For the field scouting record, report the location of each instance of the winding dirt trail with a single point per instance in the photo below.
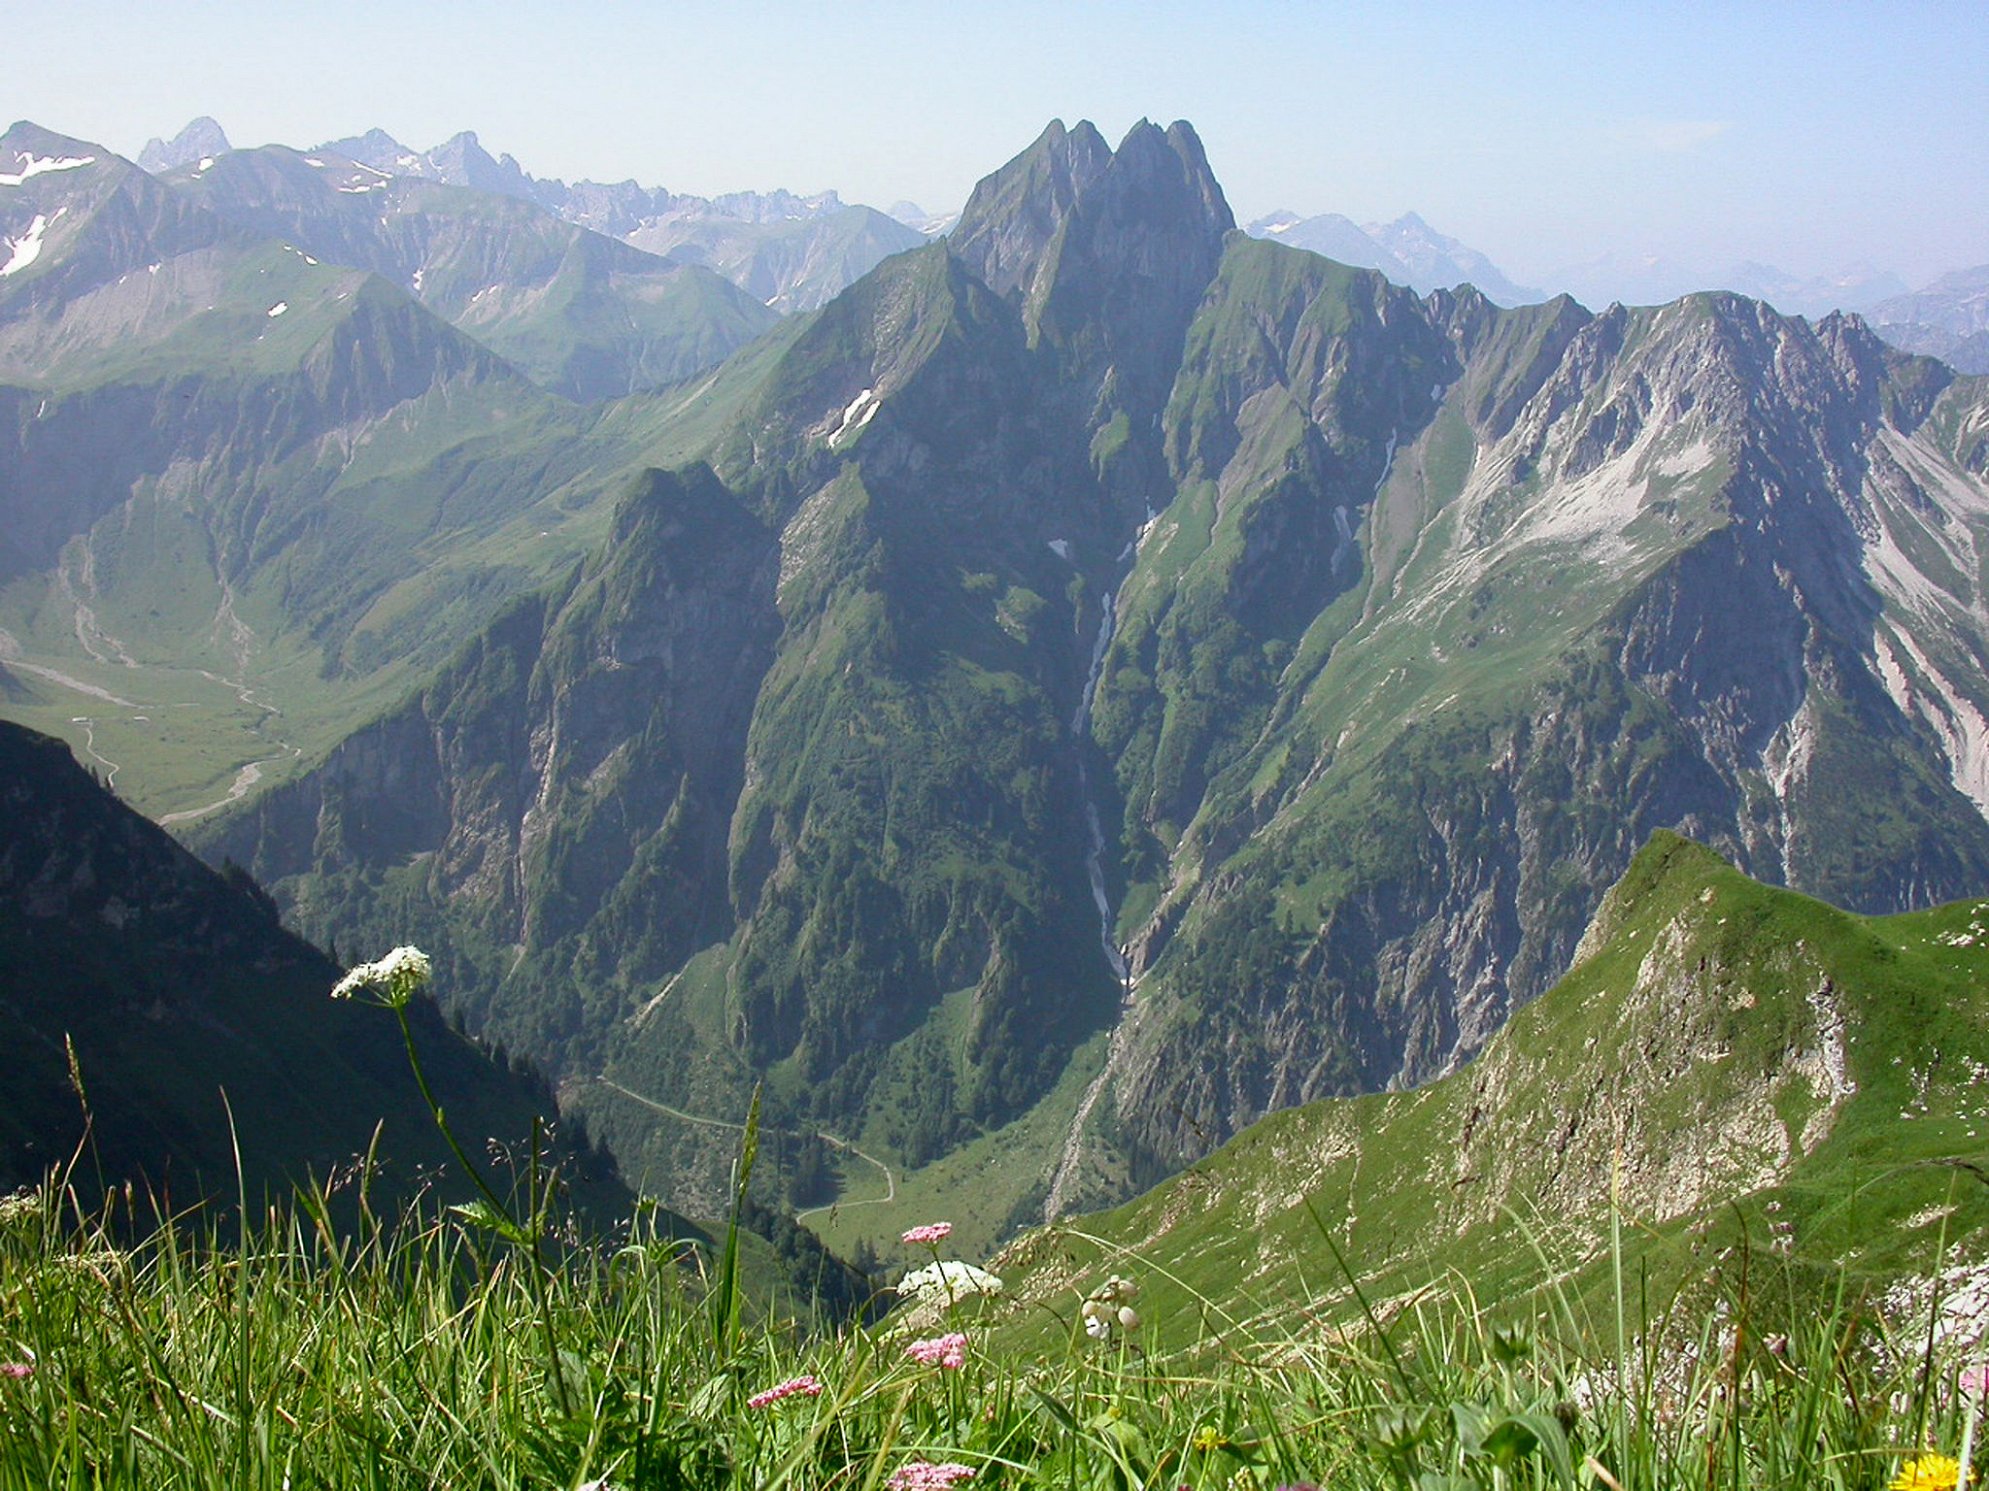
(90, 744)
(246, 778)
(890, 1181)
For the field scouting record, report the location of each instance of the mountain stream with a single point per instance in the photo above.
(1064, 1179)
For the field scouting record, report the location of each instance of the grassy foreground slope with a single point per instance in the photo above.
(1725, 1055)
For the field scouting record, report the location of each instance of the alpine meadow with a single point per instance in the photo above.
(656, 840)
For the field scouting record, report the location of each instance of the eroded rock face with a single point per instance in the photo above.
(1703, 513)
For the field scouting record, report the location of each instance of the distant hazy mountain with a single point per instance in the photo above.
(1629, 279)
(582, 314)
(1949, 319)
(1850, 289)
(789, 252)
(931, 224)
(1408, 251)
(1412, 253)
(201, 138)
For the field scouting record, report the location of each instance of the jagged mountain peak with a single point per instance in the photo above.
(201, 138)
(1180, 142)
(375, 148)
(1014, 214)
(461, 160)
(1106, 252)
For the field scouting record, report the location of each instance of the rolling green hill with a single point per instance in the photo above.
(1740, 1067)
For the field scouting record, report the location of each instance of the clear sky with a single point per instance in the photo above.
(1808, 135)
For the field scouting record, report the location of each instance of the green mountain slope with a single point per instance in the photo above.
(247, 498)
(926, 501)
(1725, 1057)
(1599, 575)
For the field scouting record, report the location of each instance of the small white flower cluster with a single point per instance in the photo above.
(947, 1281)
(1111, 1304)
(396, 978)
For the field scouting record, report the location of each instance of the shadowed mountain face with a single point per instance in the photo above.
(187, 1011)
(1102, 589)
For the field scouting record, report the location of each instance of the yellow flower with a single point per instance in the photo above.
(1208, 1440)
(1928, 1473)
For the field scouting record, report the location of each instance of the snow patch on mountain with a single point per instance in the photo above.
(25, 249)
(41, 165)
(862, 409)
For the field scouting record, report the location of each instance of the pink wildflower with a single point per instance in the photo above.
(806, 1385)
(920, 1476)
(1975, 1381)
(17, 1369)
(929, 1233)
(948, 1351)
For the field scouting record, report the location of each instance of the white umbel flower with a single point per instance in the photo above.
(394, 979)
(944, 1282)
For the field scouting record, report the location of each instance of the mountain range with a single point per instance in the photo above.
(1937, 320)
(794, 252)
(1097, 680)
(1408, 251)
(788, 252)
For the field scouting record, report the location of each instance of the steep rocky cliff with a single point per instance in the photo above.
(1699, 567)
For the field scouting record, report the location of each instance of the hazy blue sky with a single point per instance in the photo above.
(1808, 135)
